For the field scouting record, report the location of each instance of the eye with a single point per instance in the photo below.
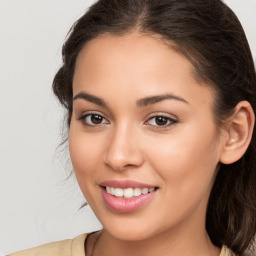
(161, 120)
(93, 120)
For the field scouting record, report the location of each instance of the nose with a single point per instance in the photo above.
(123, 150)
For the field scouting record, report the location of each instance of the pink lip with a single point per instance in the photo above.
(125, 205)
(125, 184)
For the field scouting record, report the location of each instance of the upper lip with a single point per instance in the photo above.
(125, 184)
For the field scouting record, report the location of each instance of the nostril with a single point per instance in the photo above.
(124, 154)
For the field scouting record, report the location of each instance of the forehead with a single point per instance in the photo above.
(141, 62)
(135, 53)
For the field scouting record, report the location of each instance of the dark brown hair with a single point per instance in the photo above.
(209, 34)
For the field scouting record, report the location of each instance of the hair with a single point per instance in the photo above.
(209, 34)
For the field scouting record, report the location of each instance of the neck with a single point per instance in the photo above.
(165, 244)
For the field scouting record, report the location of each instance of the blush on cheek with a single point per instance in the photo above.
(84, 153)
(77, 153)
(186, 160)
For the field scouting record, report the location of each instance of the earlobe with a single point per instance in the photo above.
(239, 133)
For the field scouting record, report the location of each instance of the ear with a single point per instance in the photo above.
(239, 133)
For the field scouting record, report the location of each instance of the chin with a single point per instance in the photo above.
(128, 231)
(129, 235)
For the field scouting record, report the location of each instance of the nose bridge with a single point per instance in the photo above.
(123, 150)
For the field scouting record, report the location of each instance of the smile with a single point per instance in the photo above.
(128, 192)
(126, 196)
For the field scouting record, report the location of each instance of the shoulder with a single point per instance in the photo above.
(225, 251)
(67, 247)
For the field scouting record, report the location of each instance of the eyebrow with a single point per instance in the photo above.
(90, 98)
(157, 98)
(140, 103)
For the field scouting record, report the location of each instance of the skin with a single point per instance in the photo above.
(180, 158)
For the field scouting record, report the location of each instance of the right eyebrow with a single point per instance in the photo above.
(90, 98)
(157, 98)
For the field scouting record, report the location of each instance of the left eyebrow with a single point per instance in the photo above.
(90, 98)
(157, 98)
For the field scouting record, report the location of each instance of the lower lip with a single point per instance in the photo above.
(126, 204)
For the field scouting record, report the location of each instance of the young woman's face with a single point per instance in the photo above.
(142, 122)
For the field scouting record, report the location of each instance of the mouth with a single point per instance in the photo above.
(128, 192)
(127, 196)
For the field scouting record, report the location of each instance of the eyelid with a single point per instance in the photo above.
(173, 119)
(88, 113)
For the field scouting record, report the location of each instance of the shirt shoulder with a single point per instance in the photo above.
(225, 251)
(69, 247)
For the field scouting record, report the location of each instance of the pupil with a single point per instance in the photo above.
(96, 119)
(160, 120)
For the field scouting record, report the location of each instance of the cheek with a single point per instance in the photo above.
(186, 165)
(84, 152)
(186, 160)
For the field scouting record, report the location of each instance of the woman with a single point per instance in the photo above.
(160, 99)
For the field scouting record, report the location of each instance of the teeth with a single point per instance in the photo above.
(128, 192)
(108, 189)
(151, 190)
(137, 191)
(144, 191)
(119, 192)
(112, 191)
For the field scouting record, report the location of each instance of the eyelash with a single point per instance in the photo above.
(170, 121)
(84, 117)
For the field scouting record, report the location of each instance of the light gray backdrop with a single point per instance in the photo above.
(36, 205)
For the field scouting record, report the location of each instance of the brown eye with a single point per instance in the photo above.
(96, 119)
(93, 120)
(161, 121)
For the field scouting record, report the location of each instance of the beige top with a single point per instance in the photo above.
(74, 247)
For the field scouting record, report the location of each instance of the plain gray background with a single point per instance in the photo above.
(36, 204)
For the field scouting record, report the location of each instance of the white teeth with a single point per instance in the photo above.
(128, 192)
(144, 191)
(151, 190)
(112, 191)
(119, 192)
(137, 191)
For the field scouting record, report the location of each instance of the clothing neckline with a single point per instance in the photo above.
(225, 251)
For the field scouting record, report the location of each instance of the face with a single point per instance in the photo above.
(143, 142)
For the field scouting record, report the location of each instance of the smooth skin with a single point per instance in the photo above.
(171, 142)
